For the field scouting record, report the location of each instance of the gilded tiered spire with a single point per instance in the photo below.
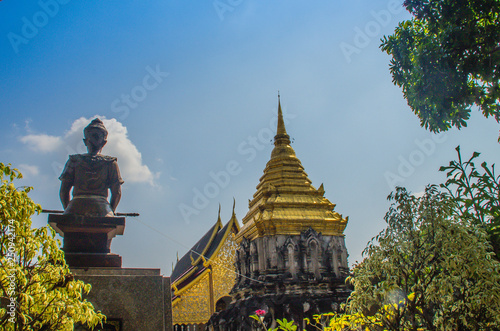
(285, 201)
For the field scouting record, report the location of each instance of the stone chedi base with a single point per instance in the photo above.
(87, 240)
(288, 276)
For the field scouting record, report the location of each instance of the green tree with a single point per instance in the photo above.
(477, 193)
(428, 270)
(37, 290)
(447, 59)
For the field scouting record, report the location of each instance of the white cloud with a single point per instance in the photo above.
(29, 170)
(42, 143)
(129, 157)
(119, 145)
(419, 194)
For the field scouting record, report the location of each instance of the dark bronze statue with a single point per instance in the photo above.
(91, 175)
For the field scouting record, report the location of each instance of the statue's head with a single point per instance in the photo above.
(95, 135)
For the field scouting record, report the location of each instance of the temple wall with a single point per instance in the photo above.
(199, 299)
(194, 305)
(224, 269)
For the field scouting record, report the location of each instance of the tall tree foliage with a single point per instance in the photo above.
(428, 270)
(447, 59)
(477, 193)
(37, 290)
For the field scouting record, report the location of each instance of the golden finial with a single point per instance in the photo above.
(281, 123)
(321, 190)
(233, 216)
(219, 221)
(281, 138)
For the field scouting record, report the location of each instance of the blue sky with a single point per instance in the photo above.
(189, 92)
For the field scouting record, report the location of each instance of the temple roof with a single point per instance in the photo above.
(285, 201)
(198, 258)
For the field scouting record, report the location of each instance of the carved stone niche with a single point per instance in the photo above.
(290, 251)
(337, 257)
(243, 261)
(254, 260)
(306, 258)
(312, 242)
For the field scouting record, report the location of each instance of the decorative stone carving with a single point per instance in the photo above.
(307, 257)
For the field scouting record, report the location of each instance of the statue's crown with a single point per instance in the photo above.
(96, 124)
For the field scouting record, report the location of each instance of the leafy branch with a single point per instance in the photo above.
(477, 192)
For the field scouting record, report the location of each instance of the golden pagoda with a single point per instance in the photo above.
(204, 276)
(285, 202)
(291, 259)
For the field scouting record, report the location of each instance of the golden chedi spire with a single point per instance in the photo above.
(285, 201)
(281, 131)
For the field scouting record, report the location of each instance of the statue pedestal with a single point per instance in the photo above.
(87, 240)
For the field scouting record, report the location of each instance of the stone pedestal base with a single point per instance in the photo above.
(93, 260)
(132, 299)
(87, 240)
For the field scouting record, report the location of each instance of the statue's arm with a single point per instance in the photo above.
(116, 194)
(115, 187)
(64, 193)
(67, 179)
